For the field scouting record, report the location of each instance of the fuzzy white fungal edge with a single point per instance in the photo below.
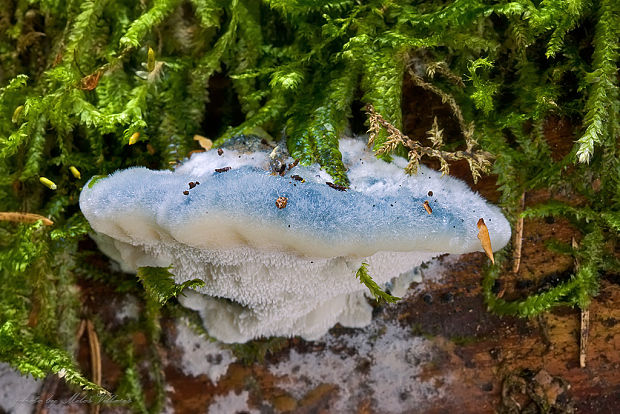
(288, 271)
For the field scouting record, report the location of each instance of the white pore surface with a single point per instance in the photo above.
(287, 271)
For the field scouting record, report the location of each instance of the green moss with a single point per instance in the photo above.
(376, 291)
(94, 180)
(464, 340)
(418, 330)
(255, 351)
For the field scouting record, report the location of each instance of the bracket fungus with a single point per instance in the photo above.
(284, 271)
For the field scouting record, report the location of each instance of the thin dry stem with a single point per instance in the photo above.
(585, 331)
(24, 217)
(466, 129)
(478, 160)
(518, 241)
(95, 359)
(47, 393)
(443, 69)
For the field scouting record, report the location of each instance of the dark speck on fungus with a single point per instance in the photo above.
(430, 193)
(220, 151)
(221, 170)
(186, 192)
(336, 186)
(293, 164)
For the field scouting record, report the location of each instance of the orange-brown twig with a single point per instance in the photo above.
(24, 217)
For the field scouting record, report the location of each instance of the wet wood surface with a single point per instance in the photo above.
(506, 365)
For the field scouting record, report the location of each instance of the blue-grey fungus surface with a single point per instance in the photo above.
(284, 271)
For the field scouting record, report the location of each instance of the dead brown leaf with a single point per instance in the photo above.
(485, 240)
(204, 142)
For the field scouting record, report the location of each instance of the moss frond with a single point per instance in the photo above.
(375, 290)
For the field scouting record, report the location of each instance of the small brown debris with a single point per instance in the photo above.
(281, 202)
(204, 142)
(297, 178)
(430, 193)
(186, 192)
(427, 207)
(90, 82)
(282, 169)
(485, 240)
(220, 151)
(221, 170)
(197, 183)
(192, 185)
(189, 154)
(57, 59)
(284, 403)
(336, 186)
(293, 164)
